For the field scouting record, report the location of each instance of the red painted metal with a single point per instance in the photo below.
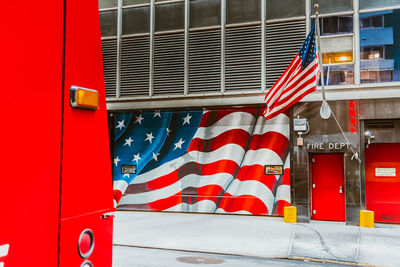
(383, 192)
(86, 169)
(327, 177)
(47, 160)
(31, 86)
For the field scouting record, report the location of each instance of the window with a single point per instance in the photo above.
(238, 11)
(332, 6)
(108, 21)
(170, 16)
(379, 46)
(336, 25)
(135, 2)
(136, 20)
(367, 4)
(204, 13)
(108, 3)
(279, 9)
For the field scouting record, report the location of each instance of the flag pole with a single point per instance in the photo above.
(325, 110)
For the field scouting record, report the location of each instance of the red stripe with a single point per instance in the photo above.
(274, 141)
(166, 203)
(244, 202)
(256, 173)
(279, 207)
(235, 136)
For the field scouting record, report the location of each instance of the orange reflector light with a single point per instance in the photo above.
(84, 98)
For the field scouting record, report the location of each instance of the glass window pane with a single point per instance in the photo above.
(336, 25)
(108, 3)
(204, 13)
(238, 11)
(277, 9)
(339, 74)
(332, 6)
(136, 20)
(380, 46)
(366, 4)
(170, 16)
(337, 49)
(108, 22)
(134, 2)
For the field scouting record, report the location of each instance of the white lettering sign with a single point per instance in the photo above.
(385, 172)
(331, 146)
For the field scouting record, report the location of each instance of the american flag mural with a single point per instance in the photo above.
(202, 160)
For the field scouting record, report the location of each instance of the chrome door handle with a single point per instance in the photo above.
(341, 189)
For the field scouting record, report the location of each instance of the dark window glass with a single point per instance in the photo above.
(134, 2)
(366, 4)
(238, 11)
(380, 46)
(108, 22)
(339, 75)
(333, 6)
(279, 9)
(136, 20)
(170, 16)
(336, 25)
(108, 3)
(205, 13)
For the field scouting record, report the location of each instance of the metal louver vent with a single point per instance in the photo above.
(205, 61)
(283, 41)
(109, 48)
(135, 58)
(169, 64)
(243, 58)
(382, 124)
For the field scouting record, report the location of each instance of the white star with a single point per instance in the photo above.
(139, 119)
(126, 175)
(179, 144)
(128, 141)
(116, 160)
(120, 124)
(168, 131)
(186, 119)
(155, 156)
(157, 113)
(149, 137)
(136, 158)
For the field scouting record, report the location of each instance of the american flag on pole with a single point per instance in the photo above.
(204, 160)
(299, 79)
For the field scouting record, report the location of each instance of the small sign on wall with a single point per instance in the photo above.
(273, 169)
(128, 169)
(385, 172)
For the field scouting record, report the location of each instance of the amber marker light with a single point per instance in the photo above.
(84, 98)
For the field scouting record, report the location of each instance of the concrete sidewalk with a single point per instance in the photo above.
(259, 237)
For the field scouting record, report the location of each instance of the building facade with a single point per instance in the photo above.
(202, 67)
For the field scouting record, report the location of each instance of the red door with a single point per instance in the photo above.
(327, 186)
(382, 167)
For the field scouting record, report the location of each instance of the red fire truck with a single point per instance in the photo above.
(55, 185)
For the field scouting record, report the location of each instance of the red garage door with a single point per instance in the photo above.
(382, 167)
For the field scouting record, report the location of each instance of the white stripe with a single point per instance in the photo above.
(236, 120)
(283, 193)
(221, 210)
(193, 180)
(252, 188)
(120, 185)
(4, 250)
(263, 156)
(230, 151)
(207, 206)
(279, 123)
(287, 162)
(1, 264)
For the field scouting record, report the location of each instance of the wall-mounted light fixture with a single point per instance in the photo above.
(368, 135)
(301, 127)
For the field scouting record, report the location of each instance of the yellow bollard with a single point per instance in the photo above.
(290, 214)
(367, 218)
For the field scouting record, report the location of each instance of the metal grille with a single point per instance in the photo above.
(135, 58)
(109, 48)
(205, 61)
(169, 64)
(243, 58)
(283, 41)
(382, 124)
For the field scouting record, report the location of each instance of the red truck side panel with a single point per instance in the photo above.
(86, 170)
(31, 52)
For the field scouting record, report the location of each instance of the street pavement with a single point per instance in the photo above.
(250, 237)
